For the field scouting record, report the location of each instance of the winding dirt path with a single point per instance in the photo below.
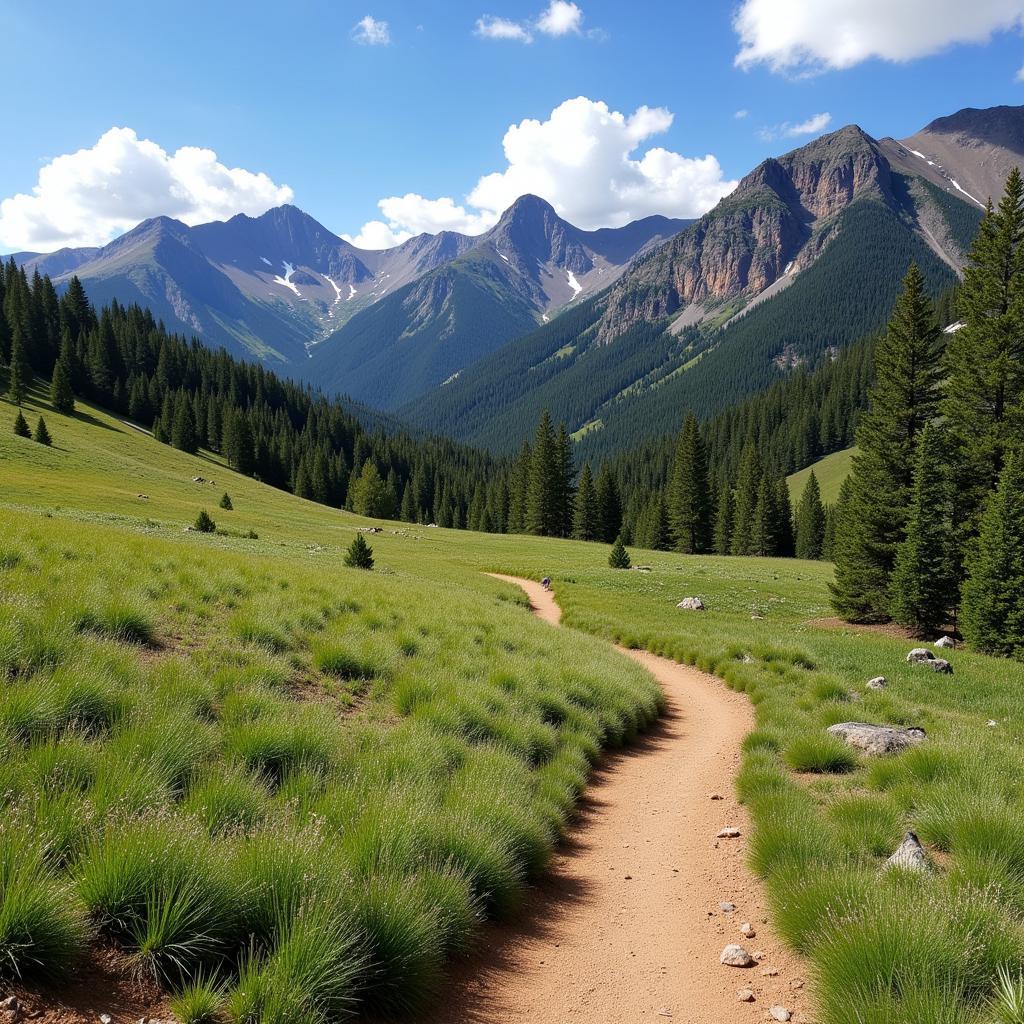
(627, 924)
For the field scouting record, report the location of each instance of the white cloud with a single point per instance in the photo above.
(89, 197)
(805, 36)
(489, 27)
(585, 160)
(741, 114)
(1020, 75)
(560, 18)
(370, 32)
(787, 130)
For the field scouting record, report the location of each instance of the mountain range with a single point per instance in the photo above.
(617, 331)
(276, 287)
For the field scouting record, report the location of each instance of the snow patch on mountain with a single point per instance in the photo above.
(287, 279)
(574, 284)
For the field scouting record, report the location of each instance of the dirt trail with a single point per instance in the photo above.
(627, 925)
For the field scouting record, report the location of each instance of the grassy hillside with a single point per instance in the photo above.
(831, 471)
(414, 742)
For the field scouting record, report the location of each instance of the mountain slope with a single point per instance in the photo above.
(805, 256)
(424, 334)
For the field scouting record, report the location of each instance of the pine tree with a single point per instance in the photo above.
(748, 483)
(519, 489)
(689, 496)
(993, 593)
(810, 521)
(985, 358)
(724, 520)
(226, 503)
(586, 524)
(609, 504)
(183, 428)
(369, 493)
(619, 557)
(239, 446)
(654, 531)
(21, 425)
(903, 400)
(543, 498)
(564, 471)
(42, 435)
(62, 397)
(922, 580)
(785, 545)
(764, 539)
(20, 373)
(204, 524)
(359, 554)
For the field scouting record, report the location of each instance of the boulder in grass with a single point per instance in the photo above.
(941, 665)
(876, 739)
(691, 604)
(878, 683)
(945, 641)
(736, 956)
(919, 656)
(909, 855)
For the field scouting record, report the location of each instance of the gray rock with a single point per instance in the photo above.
(878, 683)
(909, 855)
(727, 908)
(919, 655)
(691, 604)
(736, 956)
(876, 739)
(945, 641)
(745, 995)
(747, 930)
(941, 665)
(729, 832)
(780, 1013)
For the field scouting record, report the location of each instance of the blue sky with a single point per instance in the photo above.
(289, 91)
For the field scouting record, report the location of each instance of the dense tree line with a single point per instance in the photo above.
(193, 397)
(930, 521)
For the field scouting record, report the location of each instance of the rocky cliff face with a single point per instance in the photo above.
(775, 222)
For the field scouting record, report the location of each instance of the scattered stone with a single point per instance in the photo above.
(919, 655)
(664, 1011)
(941, 665)
(729, 832)
(780, 1013)
(691, 604)
(727, 908)
(747, 930)
(797, 983)
(909, 855)
(105, 1018)
(876, 739)
(945, 641)
(10, 1008)
(991, 723)
(736, 956)
(770, 972)
(142, 497)
(878, 683)
(745, 995)
(759, 954)
(716, 796)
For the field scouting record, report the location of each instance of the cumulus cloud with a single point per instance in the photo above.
(807, 36)
(489, 27)
(741, 114)
(559, 18)
(586, 160)
(370, 32)
(89, 197)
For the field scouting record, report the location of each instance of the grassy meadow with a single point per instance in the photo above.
(831, 471)
(303, 784)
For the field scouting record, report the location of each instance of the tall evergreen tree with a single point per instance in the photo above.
(985, 358)
(993, 593)
(21, 425)
(62, 397)
(20, 373)
(904, 398)
(922, 580)
(724, 520)
(689, 496)
(748, 484)
(610, 504)
(586, 524)
(810, 521)
(564, 472)
(619, 556)
(785, 544)
(519, 489)
(765, 534)
(543, 510)
(42, 435)
(183, 429)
